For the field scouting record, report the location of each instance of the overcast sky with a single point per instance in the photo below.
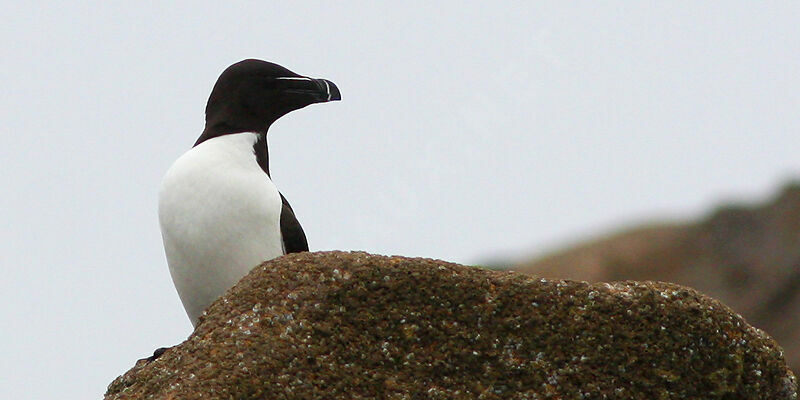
(466, 132)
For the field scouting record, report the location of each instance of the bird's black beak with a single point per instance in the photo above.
(320, 90)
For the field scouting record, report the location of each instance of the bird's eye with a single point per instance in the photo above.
(269, 84)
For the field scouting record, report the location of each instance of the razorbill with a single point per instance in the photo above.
(220, 213)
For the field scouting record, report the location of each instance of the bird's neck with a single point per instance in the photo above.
(219, 128)
(259, 147)
(262, 152)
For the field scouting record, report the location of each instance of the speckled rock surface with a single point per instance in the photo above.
(339, 325)
(745, 255)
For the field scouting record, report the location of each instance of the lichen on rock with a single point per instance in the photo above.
(337, 325)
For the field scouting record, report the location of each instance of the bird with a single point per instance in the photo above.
(219, 212)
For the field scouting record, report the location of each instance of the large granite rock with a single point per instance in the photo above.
(747, 257)
(358, 326)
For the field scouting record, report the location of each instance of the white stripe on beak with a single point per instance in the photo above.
(293, 78)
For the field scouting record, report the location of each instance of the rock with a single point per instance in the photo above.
(340, 325)
(747, 257)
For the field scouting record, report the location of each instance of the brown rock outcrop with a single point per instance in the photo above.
(358, 326)
(747, 257)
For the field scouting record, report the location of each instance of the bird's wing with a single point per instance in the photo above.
(294, 239)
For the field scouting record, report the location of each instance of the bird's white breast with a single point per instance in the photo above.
(220, 217)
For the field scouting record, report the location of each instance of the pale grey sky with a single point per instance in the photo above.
(465, 132)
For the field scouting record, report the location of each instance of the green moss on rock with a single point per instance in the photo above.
(340, 325)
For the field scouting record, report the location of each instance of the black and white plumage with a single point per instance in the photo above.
(219, 212)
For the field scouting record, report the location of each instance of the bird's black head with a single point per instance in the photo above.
(252, 94)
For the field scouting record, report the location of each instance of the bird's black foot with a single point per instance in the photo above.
(157, 353)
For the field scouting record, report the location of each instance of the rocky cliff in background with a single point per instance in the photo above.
(746, 256)
(358, 326)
